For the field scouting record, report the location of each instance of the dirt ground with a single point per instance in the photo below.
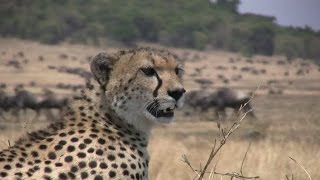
(286, 103)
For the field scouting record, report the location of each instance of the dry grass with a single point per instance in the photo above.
(287, 125)
(289, 128)
(266, 158)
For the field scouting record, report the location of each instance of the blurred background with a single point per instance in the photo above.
(268, 47)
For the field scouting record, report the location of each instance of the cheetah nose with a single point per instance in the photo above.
(176, 94)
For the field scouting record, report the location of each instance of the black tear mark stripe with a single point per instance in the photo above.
(155, 92)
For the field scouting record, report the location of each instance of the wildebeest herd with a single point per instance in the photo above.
(23, 99)
(221, 99)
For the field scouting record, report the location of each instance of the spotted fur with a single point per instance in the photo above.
(104, 133)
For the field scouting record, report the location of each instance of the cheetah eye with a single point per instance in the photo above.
(178, 71)
(149, 71)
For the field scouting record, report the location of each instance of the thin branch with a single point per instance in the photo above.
(232, 175)
(215, 166)
(186, 160)
(211, 174)
(3, 142)
(287, 177)
(2, 115)
(245, 155)
(226, 134)
(211, 156)
(301, 167)
(236, 175)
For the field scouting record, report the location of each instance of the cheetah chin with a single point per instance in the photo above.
(162, 111)
(160, 116)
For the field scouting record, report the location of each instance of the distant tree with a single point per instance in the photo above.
(183, 23)
(229, 4)
(261, 41)
(147, 28)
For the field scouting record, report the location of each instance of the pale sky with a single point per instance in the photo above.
(287, 12)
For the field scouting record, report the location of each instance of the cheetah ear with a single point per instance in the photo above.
(101, 66)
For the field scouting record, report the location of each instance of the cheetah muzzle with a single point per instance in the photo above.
(161, 110)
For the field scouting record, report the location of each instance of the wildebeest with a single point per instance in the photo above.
(24, 100)
(198, 100)
(6, 102)
(221, 99)
(51, 101)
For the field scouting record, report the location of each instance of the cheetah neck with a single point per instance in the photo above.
(93, 100)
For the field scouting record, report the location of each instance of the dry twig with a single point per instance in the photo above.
(237, 175)
(186, 160)
(225, 132)
(245, 155)
(301, 167)
(225, 135)
(3, 142)
(287, 177)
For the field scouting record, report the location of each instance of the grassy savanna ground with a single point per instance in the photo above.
(287, 125)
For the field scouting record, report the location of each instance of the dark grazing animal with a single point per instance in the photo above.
(238, 100)
(221, 99)
(24, 100)
(6, 103)
(50, 102)
(198, 100)
(53, 103)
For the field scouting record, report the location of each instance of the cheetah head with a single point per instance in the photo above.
(143, 86)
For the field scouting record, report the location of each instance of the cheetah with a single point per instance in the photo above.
(104, 133)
